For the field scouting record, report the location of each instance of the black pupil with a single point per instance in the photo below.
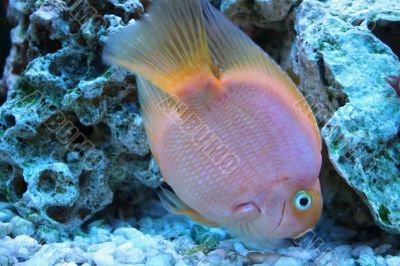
(303, 202)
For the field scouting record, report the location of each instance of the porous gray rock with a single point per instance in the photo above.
(343, 52)
(71, 132)
(260, 13)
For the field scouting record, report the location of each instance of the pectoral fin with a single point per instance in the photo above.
(174, 204)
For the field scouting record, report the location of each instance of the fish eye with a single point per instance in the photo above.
(302, 200)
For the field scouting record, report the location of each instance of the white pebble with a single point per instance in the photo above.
(6, 215)
(118, 240)
(128, 232)
(22, 227)
(287, 261)
(127, 253)
(362, 250)
(343, 252)
(160, 260)
(5, 229)
(239, 248)
(106, 247)
(393, 261)
(347, 262)
(181, 263)
(383, 249)
(102, 259)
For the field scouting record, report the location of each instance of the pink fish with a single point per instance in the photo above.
(231, 133)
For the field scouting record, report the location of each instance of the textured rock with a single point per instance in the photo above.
(71, 132)
(260, 13)
(342, 56)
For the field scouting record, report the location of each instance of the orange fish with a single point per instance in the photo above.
(231, 133)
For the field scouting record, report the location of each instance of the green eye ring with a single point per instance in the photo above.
(302, 201)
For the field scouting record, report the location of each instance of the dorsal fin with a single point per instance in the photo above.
(165, 47)
(234, 53)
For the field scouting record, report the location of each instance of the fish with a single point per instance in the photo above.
(394, 82)
(234, 138)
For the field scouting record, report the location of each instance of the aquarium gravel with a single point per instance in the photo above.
(158, 238)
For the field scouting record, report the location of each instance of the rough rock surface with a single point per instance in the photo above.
(342, 59)
(71, 133)
(260, 13)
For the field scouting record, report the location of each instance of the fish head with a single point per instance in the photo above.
(301, 208)
(285, 210)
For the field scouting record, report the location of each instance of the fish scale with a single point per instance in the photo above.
(192, 162)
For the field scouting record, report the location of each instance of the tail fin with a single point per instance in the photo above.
(166, 46)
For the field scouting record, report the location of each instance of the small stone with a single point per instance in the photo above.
(239, 248)
(222, 233)
(366, 260)
(181, 263)
(217, 256)
(127, 253)
(103, 259)
(261, 257)
(5, 229)
(48, 234)
(343, 252)
(66, 264)
(161, 260)
(6, 215)
(362, 250)
(106, 247)
(347, 262)
(100, 234)
(302, 253)
(118, 240)
(287, 261)
(4, 260)
(326, 257)
(214, 259)
(22, 227)
(119, 223)
(210, 241)
(382, 250)
(219, 252)
(197, 232)
(128, 232)
(393, 261)
(380, 261)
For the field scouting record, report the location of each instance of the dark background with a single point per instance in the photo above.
(4, 38)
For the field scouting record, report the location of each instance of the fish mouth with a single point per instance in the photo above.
(300, 235)
(282, 213)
